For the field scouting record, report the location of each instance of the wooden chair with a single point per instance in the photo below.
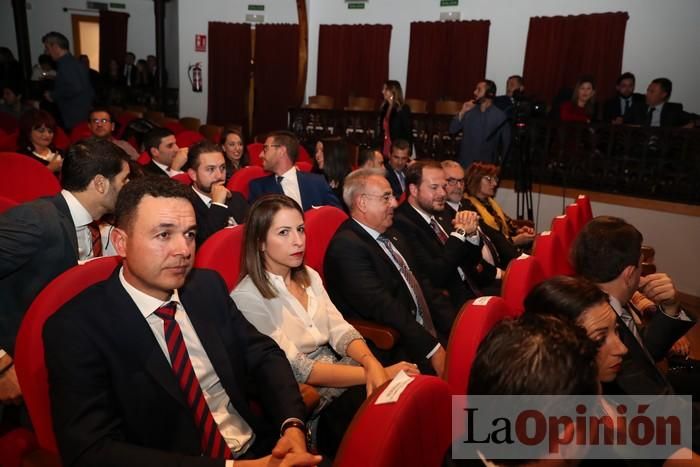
(448, 107)
(321, 102)
(211, 132)
(361, 103)
(191, 123)
(417, 106)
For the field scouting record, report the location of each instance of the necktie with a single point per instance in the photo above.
(95, 238)
(650, 116)
(628, 318)
(213, 444)
(402, 179)
(279, 179)
(628, 103)
(422, 306)
(441, 235)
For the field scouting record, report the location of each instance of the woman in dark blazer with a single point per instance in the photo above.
(394, 117)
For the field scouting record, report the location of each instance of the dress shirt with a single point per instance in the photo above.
(166, 169)
(299, 331)
(617, 306)
(81, 218)
(656, 116)
(623, 104)
(290, 185)
(374, 234)
(401, 177)
(207, 200)
(234, 429)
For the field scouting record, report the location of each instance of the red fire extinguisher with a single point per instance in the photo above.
(194, 72)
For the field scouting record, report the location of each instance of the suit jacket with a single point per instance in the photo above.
(152, 169)
(435, 260)
(399, 124)
(393, 181)
(363, 283)
(313, 188)
(611, 109)
(672, 115)
(212, 219)
(114, 397)
(37, 243)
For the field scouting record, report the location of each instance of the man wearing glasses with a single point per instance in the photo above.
(101, 125)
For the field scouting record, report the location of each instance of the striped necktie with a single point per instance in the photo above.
(95, 238)
(212, 442)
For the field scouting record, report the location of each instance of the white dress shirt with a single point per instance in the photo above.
(656, 116)
(81, 218)
(207, 200)
(290, 185)
(235, 430)
(166, 169)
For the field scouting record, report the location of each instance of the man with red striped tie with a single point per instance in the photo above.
(154, 365)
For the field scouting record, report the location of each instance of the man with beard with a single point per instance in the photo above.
(620, 107)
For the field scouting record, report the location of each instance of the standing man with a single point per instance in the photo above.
(279, 154)
(515, 87)
(485, 129)
(129, 72)
(72, 91)
(398, 160)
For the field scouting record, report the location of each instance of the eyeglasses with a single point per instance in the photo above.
(100, 120)
(455, 181)
(386, 197)
(491, 179)
(266, 147)
(44, 129)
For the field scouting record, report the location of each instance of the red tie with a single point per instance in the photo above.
(213, 444)
(95, 238)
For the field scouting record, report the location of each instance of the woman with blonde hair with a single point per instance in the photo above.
(582, 106)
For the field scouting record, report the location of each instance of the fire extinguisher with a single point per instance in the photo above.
(194, 72)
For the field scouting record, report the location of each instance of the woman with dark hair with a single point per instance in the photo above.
(286, 300)
(394, 117)
(480, 183)
(582, 106)
(36, 132)
(233, 145)
(332, 159)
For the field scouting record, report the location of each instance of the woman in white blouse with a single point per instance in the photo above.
(286, 300)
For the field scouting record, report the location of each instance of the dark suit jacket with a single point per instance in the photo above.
(611, 109)
(393, 181)
(212, 219)
(363, 283)
(437, 261)
(313, 188)
(399, 124)
(37, 243)
(672, 115)
(152, 169)
(114, 398)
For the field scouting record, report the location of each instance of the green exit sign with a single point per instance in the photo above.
(449, 2)
(256, 7)
(356, 6)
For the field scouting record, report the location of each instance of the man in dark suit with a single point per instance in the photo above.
(129, 71)
(400, 155)
(167, 158)
(214, 205)
(42, 238)
(621, 107)
(151, 366)
(279, 155)
(371, 274)
(449, 254)
(515, 87)
(658, 111)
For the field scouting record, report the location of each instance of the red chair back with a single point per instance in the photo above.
(80, 131)
(240, 180)
(144, 158)
(563, 229)
(8, 140)
(222, 252)
(5, 204)
(183, 178)
(415, 430)
(521, 276)
(29, 349)
(304, 166)
(254, 151)
(320, 224)
(585, 204)
(175, 127)
(16, 170)
(474, 321)
(574, 216)
(187, 138)
(8, 122)
(61, 139)
(303, 155)
(14, 445)
(548, 251)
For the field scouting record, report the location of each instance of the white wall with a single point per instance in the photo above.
(673, 236)
(7, 27)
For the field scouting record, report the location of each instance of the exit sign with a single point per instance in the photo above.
(356, 6)
(449, 2)
(256, 7)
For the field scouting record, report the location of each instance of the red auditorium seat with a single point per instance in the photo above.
(29, 350)
(574, 215)
(320, 224)
(61, 139)
(521, 276)
(413, 431)
(222, 252)
(304, 166)
(8, 140)
(15, 445)
(254, 151)
(144, 158)
(16, 170)
(80, 131)
(175, 127)
(303, 155)
(585, 204)
(549, 251)
(5, 204)
(183, 178)
(240, 180)
(187, 138)
(563, 229)
(8, 122)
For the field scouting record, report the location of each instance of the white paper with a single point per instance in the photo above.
(394, 390)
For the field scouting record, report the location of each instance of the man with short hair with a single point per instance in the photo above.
(515, 87)
(152, 366)
(398, 160)
(622, 106)
(72, 91)
(129, 71)
(658, 111)
(370, 159)
(279, 155)
(101, 124)
(370, 274)
(42, 238)
(486, 132)
(167, 158)
(214, 205)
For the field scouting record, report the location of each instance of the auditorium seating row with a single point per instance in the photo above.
(442, 107)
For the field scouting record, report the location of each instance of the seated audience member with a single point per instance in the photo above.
(370, 274)
(286, 300)
(41, 239)
(233, 145)
(370, 158)
(447, 252)
(481, 182)
(335, 157)
(658, 111)
(12, 100)
(166, 158)
(136, 130)
(279, 155)
(101, 124)
(214, 205)
(35, 139)
(619, 108)
(394, 117)
(162, 361)
(582, 106)
(497, 249)
(319, 159)
(44, 69)
(398, 161)
(515, 87)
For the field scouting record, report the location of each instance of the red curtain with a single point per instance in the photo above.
(353, 60)
(562, 48)
(276, 62)
(113, 30)
(431, 75)
(229, 73)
